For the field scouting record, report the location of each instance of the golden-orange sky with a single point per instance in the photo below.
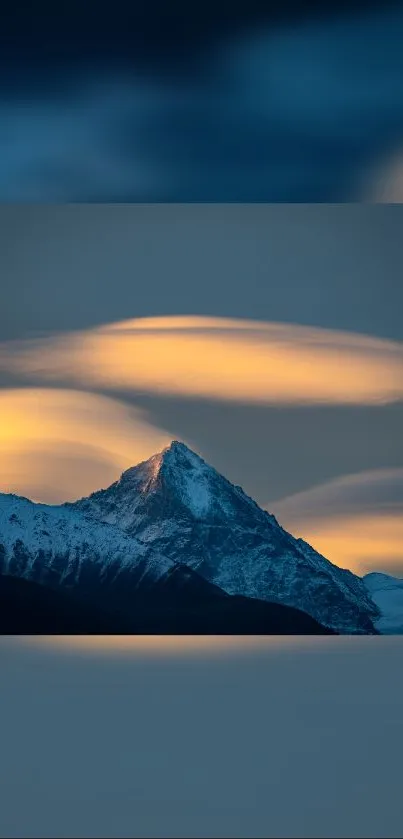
(219, 358)
(58, 444)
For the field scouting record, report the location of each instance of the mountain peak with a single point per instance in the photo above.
(176, 447)
(182, 509)
(176, 472)
(176, 456)
(180, 454)
(186, 473)
(177, 475)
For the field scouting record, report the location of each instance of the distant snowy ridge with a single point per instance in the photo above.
(45, 543)
(387, 593)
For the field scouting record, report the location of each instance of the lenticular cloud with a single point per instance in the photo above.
(218, 358)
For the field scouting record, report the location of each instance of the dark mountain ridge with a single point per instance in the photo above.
(30, 608)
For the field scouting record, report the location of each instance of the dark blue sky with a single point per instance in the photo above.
(229, 102)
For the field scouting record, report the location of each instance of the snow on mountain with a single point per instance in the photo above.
(185, 510)
(175, 481)
(387, 593)
(62, 571)
(46, 543)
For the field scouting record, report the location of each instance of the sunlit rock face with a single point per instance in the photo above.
(186, 511)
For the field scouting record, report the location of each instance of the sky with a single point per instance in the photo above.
(264, 101)
(268, 338)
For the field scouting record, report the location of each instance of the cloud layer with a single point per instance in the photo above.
(218, 358)
(355, 521)
(56, 445)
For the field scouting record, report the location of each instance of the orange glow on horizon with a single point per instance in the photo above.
(166, 646)
(360, 543)
(355, 521)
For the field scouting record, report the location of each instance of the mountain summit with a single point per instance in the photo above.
(183, 509)
(179, 480)
(178, 470)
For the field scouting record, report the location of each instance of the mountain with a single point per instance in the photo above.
(183, 602)
(62, 572)
(29, 608)
(51, 543)
(182, 509)
(387, 593)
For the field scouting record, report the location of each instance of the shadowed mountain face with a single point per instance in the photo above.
(182, 602)
(174, 545)
(28, 608)
(177, 605)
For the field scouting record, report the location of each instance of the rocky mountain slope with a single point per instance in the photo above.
(182, 509)
(63, 572)
(31, 608)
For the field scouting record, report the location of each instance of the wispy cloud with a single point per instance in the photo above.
(355, 521)
(56, 445)
(218, 358)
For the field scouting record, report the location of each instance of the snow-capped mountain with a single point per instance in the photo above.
(53, 544)
(387, 593)
(62, 571)
(183, 509)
